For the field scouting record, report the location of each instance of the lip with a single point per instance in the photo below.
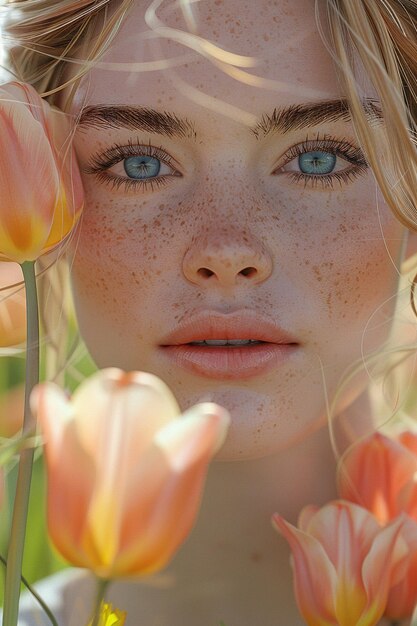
(229, 363)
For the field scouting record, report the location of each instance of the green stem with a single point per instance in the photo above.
(37, 597)
(21, 502)
(102, 585)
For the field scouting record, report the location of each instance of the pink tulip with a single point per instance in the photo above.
(344, 563)
(125, 469)
(41, 195)
(378, 473)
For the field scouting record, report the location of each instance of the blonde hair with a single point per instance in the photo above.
(44, 37)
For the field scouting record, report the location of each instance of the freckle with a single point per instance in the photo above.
(317, 273)
(256, 557)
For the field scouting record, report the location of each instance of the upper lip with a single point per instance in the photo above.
(237, 325)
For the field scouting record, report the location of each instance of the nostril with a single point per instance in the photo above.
(204, 272)
(248, 271)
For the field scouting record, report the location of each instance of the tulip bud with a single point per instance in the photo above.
(125, 470)
(41, 195)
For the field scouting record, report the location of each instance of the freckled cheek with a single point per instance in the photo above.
(118, 258)
(335, 255)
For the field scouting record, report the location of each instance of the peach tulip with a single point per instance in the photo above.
(378, 473)
(125, 469)
(12, 306)
(344, 563)
(41, 195)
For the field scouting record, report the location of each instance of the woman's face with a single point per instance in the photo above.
(220, 208)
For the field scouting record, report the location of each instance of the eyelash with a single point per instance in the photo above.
(341, 148)
(102, 161)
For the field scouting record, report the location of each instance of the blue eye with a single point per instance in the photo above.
(323, 162)
(134, 166)
(142, 167)
(317, 162)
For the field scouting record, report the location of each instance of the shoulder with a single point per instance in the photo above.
(67, 594)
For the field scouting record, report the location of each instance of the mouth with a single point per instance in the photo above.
(226, 342)
(229, 347)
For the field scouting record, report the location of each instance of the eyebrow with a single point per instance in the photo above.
(298, 116)
(284, 119)
(137, 118)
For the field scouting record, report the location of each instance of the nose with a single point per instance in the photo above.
(226, 259)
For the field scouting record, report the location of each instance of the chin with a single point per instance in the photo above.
(260, 426)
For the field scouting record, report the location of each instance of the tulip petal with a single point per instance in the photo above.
(70, 472)
(199, 431)
(346, 531)
(314, 594)
(339, 526)
(115, 406)
(29, 184)
(386, 552)
(374, 474)
(305, 516)
(128, 409)
(53, 410)
(170, 480)
(402, 596)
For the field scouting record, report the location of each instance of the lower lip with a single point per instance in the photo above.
(230, 363)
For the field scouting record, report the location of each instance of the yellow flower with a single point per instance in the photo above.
(110, 616)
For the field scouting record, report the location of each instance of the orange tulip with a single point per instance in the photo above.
(344, 563)
(125, 469)
(41, 193)
(378, 473)
(12, 306)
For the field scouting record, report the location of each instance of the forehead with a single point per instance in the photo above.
(248, 56)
